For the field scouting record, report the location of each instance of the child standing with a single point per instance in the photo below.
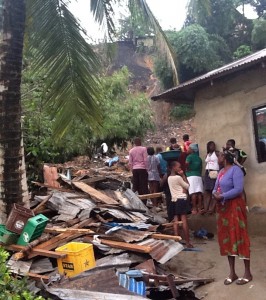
(187, 142)
(194, 169)
(178, 185)
(154, 172)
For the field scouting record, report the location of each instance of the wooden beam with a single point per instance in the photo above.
(38, 277)
(68, 230)
(34, 251)
(94, 193)
(60, 239)
(122, 245)
(150, 196)
(160, 236)
(55, 242)
(52, 187)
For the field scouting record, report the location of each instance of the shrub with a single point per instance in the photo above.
(182, 112)
(12, 288)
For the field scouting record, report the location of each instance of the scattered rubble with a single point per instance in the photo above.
(128, 240)
(161, 136)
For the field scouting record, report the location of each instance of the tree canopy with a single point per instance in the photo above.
(214, 33)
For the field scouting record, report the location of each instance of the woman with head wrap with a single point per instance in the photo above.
(194, 169)
(231, 217)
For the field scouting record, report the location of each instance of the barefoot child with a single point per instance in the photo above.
(178, 185)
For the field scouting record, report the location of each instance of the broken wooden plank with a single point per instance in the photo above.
(38, 207)
(55, 242)
(34, 252)
(38, 277)
(68, 230)
(150, 196)
(60, 239)
(94, 193)
(160, 236)
(122, 245)
(51, 187)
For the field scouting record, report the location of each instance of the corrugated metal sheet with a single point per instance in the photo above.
(116, 213)
(138, 225)
(128, 236)
(132, 285)
(220, 72)
(102, 281)
(67, 294)
(162, 250)
(116, 260)
(131, 200)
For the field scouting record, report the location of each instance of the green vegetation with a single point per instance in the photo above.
(259, 34)
(214, 33)
(12, 288)
(197, 51)
(242, 51)
(125, 115)
(182, 112)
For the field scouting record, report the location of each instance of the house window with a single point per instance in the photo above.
(259, 118)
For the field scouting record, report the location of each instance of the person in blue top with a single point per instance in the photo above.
(163, 163)
(232, 217)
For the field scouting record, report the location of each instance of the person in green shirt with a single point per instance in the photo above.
(193, 173)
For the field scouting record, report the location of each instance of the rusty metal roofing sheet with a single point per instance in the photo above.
(220, 72)
(128, 236)
(162, 250)
(104, 281)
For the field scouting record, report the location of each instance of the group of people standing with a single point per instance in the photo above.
(183, 185)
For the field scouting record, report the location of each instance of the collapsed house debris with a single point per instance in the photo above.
(125, 237)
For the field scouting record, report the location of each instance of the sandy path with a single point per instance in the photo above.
(210, 264)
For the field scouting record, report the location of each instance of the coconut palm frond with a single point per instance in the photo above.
(140, 9)
(103, 13)
(69, 62)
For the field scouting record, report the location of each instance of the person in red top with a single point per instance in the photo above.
(187, 142)
(138, 164)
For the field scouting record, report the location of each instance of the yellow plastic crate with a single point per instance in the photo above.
(80, 257)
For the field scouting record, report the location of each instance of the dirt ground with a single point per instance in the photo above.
(209, 263)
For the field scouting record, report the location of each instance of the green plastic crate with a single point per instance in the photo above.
(7, 237)
(33, 229)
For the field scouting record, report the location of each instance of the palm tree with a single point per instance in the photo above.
(11, 151)
(49, 31)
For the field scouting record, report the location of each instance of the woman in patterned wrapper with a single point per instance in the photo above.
(231, 217)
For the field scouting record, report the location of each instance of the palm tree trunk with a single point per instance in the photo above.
(12, 22)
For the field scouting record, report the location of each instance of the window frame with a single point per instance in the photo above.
(256, 132)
